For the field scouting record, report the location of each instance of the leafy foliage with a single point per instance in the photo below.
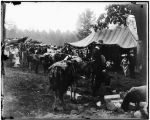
(116, 14)
(84, 23)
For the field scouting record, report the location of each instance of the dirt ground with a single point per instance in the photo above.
(25, 96)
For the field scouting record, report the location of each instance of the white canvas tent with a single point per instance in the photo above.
(121, 36)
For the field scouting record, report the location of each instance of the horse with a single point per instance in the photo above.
(61, 75)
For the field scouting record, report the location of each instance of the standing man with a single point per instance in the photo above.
(98, 66)
(125, 65)
(132, 64)
(3, 58)
(22, 50)
(90, 51)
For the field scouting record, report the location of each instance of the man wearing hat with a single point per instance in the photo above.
(125, 64)
(98, 66)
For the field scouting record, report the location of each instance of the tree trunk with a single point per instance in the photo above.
(140, 13)
(3, 8)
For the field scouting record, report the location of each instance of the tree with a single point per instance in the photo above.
(84, 23)
(116, 14)
(101, 17)
(11, 32)
(140, 12)
(52, 37)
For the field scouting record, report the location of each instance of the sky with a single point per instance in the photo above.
(50, 15)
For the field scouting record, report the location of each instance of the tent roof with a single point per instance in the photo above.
(120, 36)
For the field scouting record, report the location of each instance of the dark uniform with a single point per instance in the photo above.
(132, 65)
(98, 66)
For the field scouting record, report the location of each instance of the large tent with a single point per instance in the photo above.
(121, 36)
(117, 41)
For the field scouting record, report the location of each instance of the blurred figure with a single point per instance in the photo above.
(22, 49)
(125, 64)
(3, 58)
(132, 64)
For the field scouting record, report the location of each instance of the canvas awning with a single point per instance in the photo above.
(120, 36)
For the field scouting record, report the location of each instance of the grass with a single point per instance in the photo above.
(28, 89)
(25, 95)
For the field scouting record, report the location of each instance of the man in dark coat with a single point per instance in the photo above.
(132, 64)
(98, 65)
